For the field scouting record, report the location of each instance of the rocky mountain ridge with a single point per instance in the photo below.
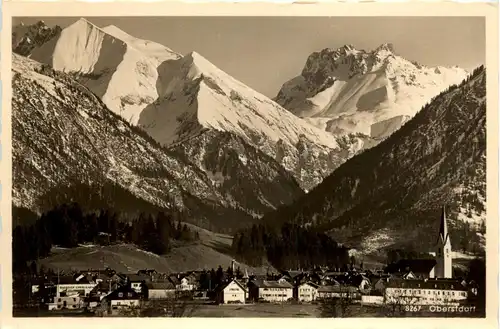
(67, 145)
(25, 38)
(175, 98)
(348, 90)
(118, 68)
(392, 194)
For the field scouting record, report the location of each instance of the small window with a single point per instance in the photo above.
(120, 294)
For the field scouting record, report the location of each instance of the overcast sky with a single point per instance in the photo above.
(265, 52)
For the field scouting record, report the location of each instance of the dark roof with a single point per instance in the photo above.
(68, 279)
(334, 274)
(272, 284)
(357, 279)
(427, 284)
(311, 284)
(375, 280)
(417, 266)
(103, 287)
(337, 288)
(293, 274)
(167, 285)
(223, 286)
(127, 293)
(138, 277)
(174, 279)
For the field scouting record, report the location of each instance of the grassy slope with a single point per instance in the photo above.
(212, 250)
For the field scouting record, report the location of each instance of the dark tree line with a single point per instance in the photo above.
(288, 246)
(68, 226)
(395, 255)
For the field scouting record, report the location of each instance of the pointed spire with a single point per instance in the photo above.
(443, 228)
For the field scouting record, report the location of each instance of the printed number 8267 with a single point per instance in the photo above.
(413, 308)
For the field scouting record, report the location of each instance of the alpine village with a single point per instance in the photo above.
(152, 184)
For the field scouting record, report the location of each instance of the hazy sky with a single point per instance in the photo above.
(265, 52)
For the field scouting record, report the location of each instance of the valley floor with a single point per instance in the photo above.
(265, 310)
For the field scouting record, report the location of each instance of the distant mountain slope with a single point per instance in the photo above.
(120, 69)
(195, 96)
(25, 38)
(392, 193)
(348, 90)
(67, 145)
(175, 98)
(210, 251)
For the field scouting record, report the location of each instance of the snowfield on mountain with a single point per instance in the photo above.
(66, 142)
(196, 96)
(348, 90)
(120, 69)
(392, 194)
(176, 98)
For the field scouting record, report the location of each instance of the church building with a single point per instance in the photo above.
(443, 268)
(439, 266)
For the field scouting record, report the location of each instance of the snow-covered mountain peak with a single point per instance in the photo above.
(347, 90)
(385, 47)
(119, 68)
(83, 21)
(145, 46)
(116, 32)
(218, 101)
(196, 97)
(199, 65)
(93, 150)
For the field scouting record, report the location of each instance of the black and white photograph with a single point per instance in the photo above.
(250, 166)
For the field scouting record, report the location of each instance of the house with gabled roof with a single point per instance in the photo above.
(427, 291)
(307, 292)
(121, 299)
(338, 291)
(233, 292)
(159, 290)
(271, 291)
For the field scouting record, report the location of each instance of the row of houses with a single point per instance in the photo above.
(408, 291)
(116, 290)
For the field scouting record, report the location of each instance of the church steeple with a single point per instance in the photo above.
(443, 268)
(443, 228)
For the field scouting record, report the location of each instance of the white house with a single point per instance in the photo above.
(137, 280)
(272, 291)
(68, 285)
(338, 291)
(185, 285)
(121, 299)
(160, 290)
(67, 302)
(424, 292)
(232, 293)
(307, 292)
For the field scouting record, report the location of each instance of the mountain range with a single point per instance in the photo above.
(347, 90)
(175, 98)
(68, 146)
(131, 122)
(393, 193)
